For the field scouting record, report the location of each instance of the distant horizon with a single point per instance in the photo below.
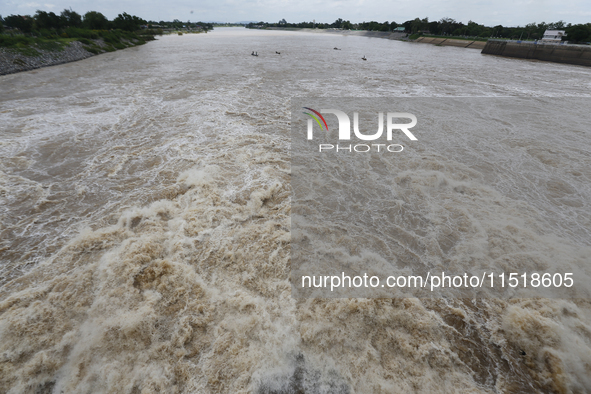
(246, 22)
(502, 12)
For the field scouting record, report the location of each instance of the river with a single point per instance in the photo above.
(145, 227)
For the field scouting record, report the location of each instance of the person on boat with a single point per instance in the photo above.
(279, 53)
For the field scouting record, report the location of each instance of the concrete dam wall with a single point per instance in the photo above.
(571, 54)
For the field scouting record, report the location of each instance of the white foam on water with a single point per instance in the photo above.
(146, 226)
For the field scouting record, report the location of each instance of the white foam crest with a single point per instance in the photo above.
(157, 194)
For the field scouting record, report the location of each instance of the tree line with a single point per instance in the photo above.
(449, 27)
(92, 20)
(43, 22)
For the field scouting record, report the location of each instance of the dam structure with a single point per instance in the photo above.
(558, 53)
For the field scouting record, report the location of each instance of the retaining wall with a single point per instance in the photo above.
(570, 54)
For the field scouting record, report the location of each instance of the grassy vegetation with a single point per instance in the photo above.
(31, 36)
(417, 35)
(29, 45)
(457, 37)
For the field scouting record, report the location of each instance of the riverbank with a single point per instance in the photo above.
(453, 42)
(570, 54)
(363, 33)
(14, 60)
(146, 228)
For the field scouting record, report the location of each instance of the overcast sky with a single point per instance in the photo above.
(504, 12)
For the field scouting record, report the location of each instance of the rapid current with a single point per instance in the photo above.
(145, 216)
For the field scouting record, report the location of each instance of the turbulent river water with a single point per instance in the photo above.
(145, 226)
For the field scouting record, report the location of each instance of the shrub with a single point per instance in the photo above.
(50, 45)
(10, 41)
(93, 49)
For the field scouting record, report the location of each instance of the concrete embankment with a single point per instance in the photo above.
(570, 54)
(451, 42)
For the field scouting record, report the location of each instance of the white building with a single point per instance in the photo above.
(553, 36)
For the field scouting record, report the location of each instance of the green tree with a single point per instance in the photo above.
(407, 25)
(71, 18)
(498, 31)
(486, 32)
(579, 33)
(434, 27)
(130, 22)
(338, 23)
(531, 29)
(22, 22)
(425, 24)
(95, 20)
(415, 26)
(557, 25)
(447, 25)
(47, 20)
(474, 29)
(177, 24)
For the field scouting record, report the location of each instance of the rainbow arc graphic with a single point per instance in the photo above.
(316, 117)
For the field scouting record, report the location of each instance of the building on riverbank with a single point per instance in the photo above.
(553, 36)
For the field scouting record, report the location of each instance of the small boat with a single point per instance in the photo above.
(279, 53)
(336, 49)
(363, 58)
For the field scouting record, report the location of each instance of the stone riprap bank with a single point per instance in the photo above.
(12, 61)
